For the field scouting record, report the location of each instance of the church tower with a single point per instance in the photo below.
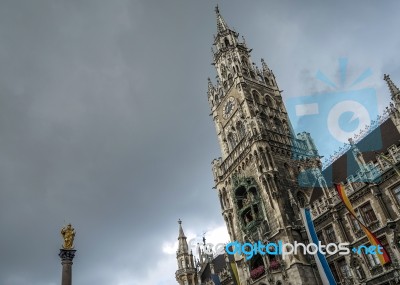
(186, 273)
(257, 177)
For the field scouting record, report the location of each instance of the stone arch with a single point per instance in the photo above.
(269, 100)
(226, 42)
(256, 96)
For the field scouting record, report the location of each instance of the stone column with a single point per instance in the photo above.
(66, 255)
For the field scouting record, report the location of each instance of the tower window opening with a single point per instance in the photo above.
(241, 129)
(232, 140)
(230, 79)
(244, 61)
(256, 96)
(227, 42)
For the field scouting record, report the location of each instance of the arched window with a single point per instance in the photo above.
(231, 140)
(244, 61)
(240, 129)
(301, 199)
(256, 96)
(278, 125)
(269, 100)
(220, 201)
(230, 79)
(226, 42)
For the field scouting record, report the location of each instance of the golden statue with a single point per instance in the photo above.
(68, 234)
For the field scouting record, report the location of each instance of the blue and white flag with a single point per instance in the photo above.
(323, 267)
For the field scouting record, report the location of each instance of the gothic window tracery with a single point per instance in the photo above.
(231, 140)
(256, 96)
(301, 199)
(240, 129)
(278, 125)
(269, 101)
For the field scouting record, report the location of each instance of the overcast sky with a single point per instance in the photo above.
(104, 120)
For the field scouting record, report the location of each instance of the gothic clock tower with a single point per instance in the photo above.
(257, 176)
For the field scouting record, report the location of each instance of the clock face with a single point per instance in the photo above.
(228, 107)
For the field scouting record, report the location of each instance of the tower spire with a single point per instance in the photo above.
(182, 246)
(394, 91)
(186, 267)
(221, 24)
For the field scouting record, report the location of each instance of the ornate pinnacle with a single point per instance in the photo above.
(221, 25)
(210, 86)
(392, 87)
(264, 65)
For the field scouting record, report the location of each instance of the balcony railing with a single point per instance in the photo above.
(185, 270)
(241, 149)
(289, 144)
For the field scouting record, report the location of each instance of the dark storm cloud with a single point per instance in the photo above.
(104, 119)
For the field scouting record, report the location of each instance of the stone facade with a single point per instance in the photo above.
(261, 159)
(263, 163)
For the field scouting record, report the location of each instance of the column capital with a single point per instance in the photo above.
(67, 254)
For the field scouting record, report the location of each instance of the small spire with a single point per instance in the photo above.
(210, 87)
(182, 244)
(394, 91)
(181, 233)
(264, 65)
(244, 41)
(221, 24)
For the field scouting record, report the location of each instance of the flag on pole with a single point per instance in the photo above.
(234, 273)
(384, 257)
(323, 267)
